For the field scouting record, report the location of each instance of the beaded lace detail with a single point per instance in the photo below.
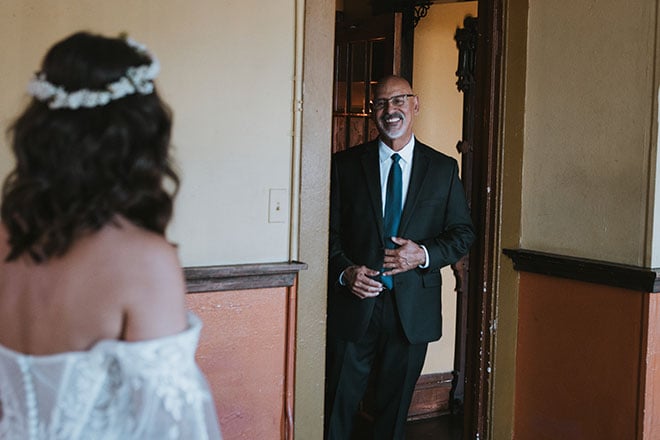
(117, 390)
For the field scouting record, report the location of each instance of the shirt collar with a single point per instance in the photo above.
(406, 153)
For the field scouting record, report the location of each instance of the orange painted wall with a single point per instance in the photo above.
(578, 367)
(651, 413)
(242, 353)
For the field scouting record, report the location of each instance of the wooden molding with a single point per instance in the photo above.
(431, 396)
(485, 202)
(241, 276)
(583, 269)
(290, 365)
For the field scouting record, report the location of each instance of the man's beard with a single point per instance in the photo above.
(392, 133)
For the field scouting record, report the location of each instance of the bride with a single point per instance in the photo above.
(95, 340)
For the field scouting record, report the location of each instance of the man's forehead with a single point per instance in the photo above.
(392, 87)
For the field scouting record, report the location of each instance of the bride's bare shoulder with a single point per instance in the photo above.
(152, 279)
(124, 236)
(129, 249)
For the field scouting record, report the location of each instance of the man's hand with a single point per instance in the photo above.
(357, 279)
(407, 256)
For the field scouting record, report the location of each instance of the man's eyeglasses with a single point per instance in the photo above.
(396, 101)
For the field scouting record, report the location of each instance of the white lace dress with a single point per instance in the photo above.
(117, 390)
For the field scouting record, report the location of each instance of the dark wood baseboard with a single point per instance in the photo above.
(583, 269)
(431, 397)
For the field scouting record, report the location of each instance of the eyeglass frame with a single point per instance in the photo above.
(382, 102)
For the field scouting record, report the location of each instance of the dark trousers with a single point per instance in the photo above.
(350, 363)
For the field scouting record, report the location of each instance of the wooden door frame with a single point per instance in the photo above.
(485, 199)
(482, 270)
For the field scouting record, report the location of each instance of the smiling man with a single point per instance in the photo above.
(398, 214)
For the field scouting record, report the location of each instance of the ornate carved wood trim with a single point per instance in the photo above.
(583, 269)
(466, 40)
(418, 8)
(241, 276)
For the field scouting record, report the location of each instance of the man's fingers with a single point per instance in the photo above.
(363, 286)
(366, 290)
(399, 241)
(367, 284)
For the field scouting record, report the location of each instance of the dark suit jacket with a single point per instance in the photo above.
(435, 214)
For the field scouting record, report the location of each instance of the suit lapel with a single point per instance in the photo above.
(371, 167)
(420, 165)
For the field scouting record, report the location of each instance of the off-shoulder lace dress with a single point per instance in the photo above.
(117, 390)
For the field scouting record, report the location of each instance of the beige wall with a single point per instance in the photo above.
(232, 72)
(578, 148)
(227, 71)
(439, 124)
(588, 131)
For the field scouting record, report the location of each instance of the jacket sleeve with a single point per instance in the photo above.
(338, 261)
(458, 233)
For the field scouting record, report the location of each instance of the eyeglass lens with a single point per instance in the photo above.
(396, 101)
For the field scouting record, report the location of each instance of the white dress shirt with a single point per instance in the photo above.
(384, 155)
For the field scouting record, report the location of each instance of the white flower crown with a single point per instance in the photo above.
(137, 79)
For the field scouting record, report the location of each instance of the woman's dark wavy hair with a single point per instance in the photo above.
(76, 170)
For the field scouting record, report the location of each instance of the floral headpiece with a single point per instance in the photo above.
(137, 79)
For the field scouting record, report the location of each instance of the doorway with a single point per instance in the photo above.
(476, 339)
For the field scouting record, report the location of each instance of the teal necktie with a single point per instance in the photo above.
(393, 198)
